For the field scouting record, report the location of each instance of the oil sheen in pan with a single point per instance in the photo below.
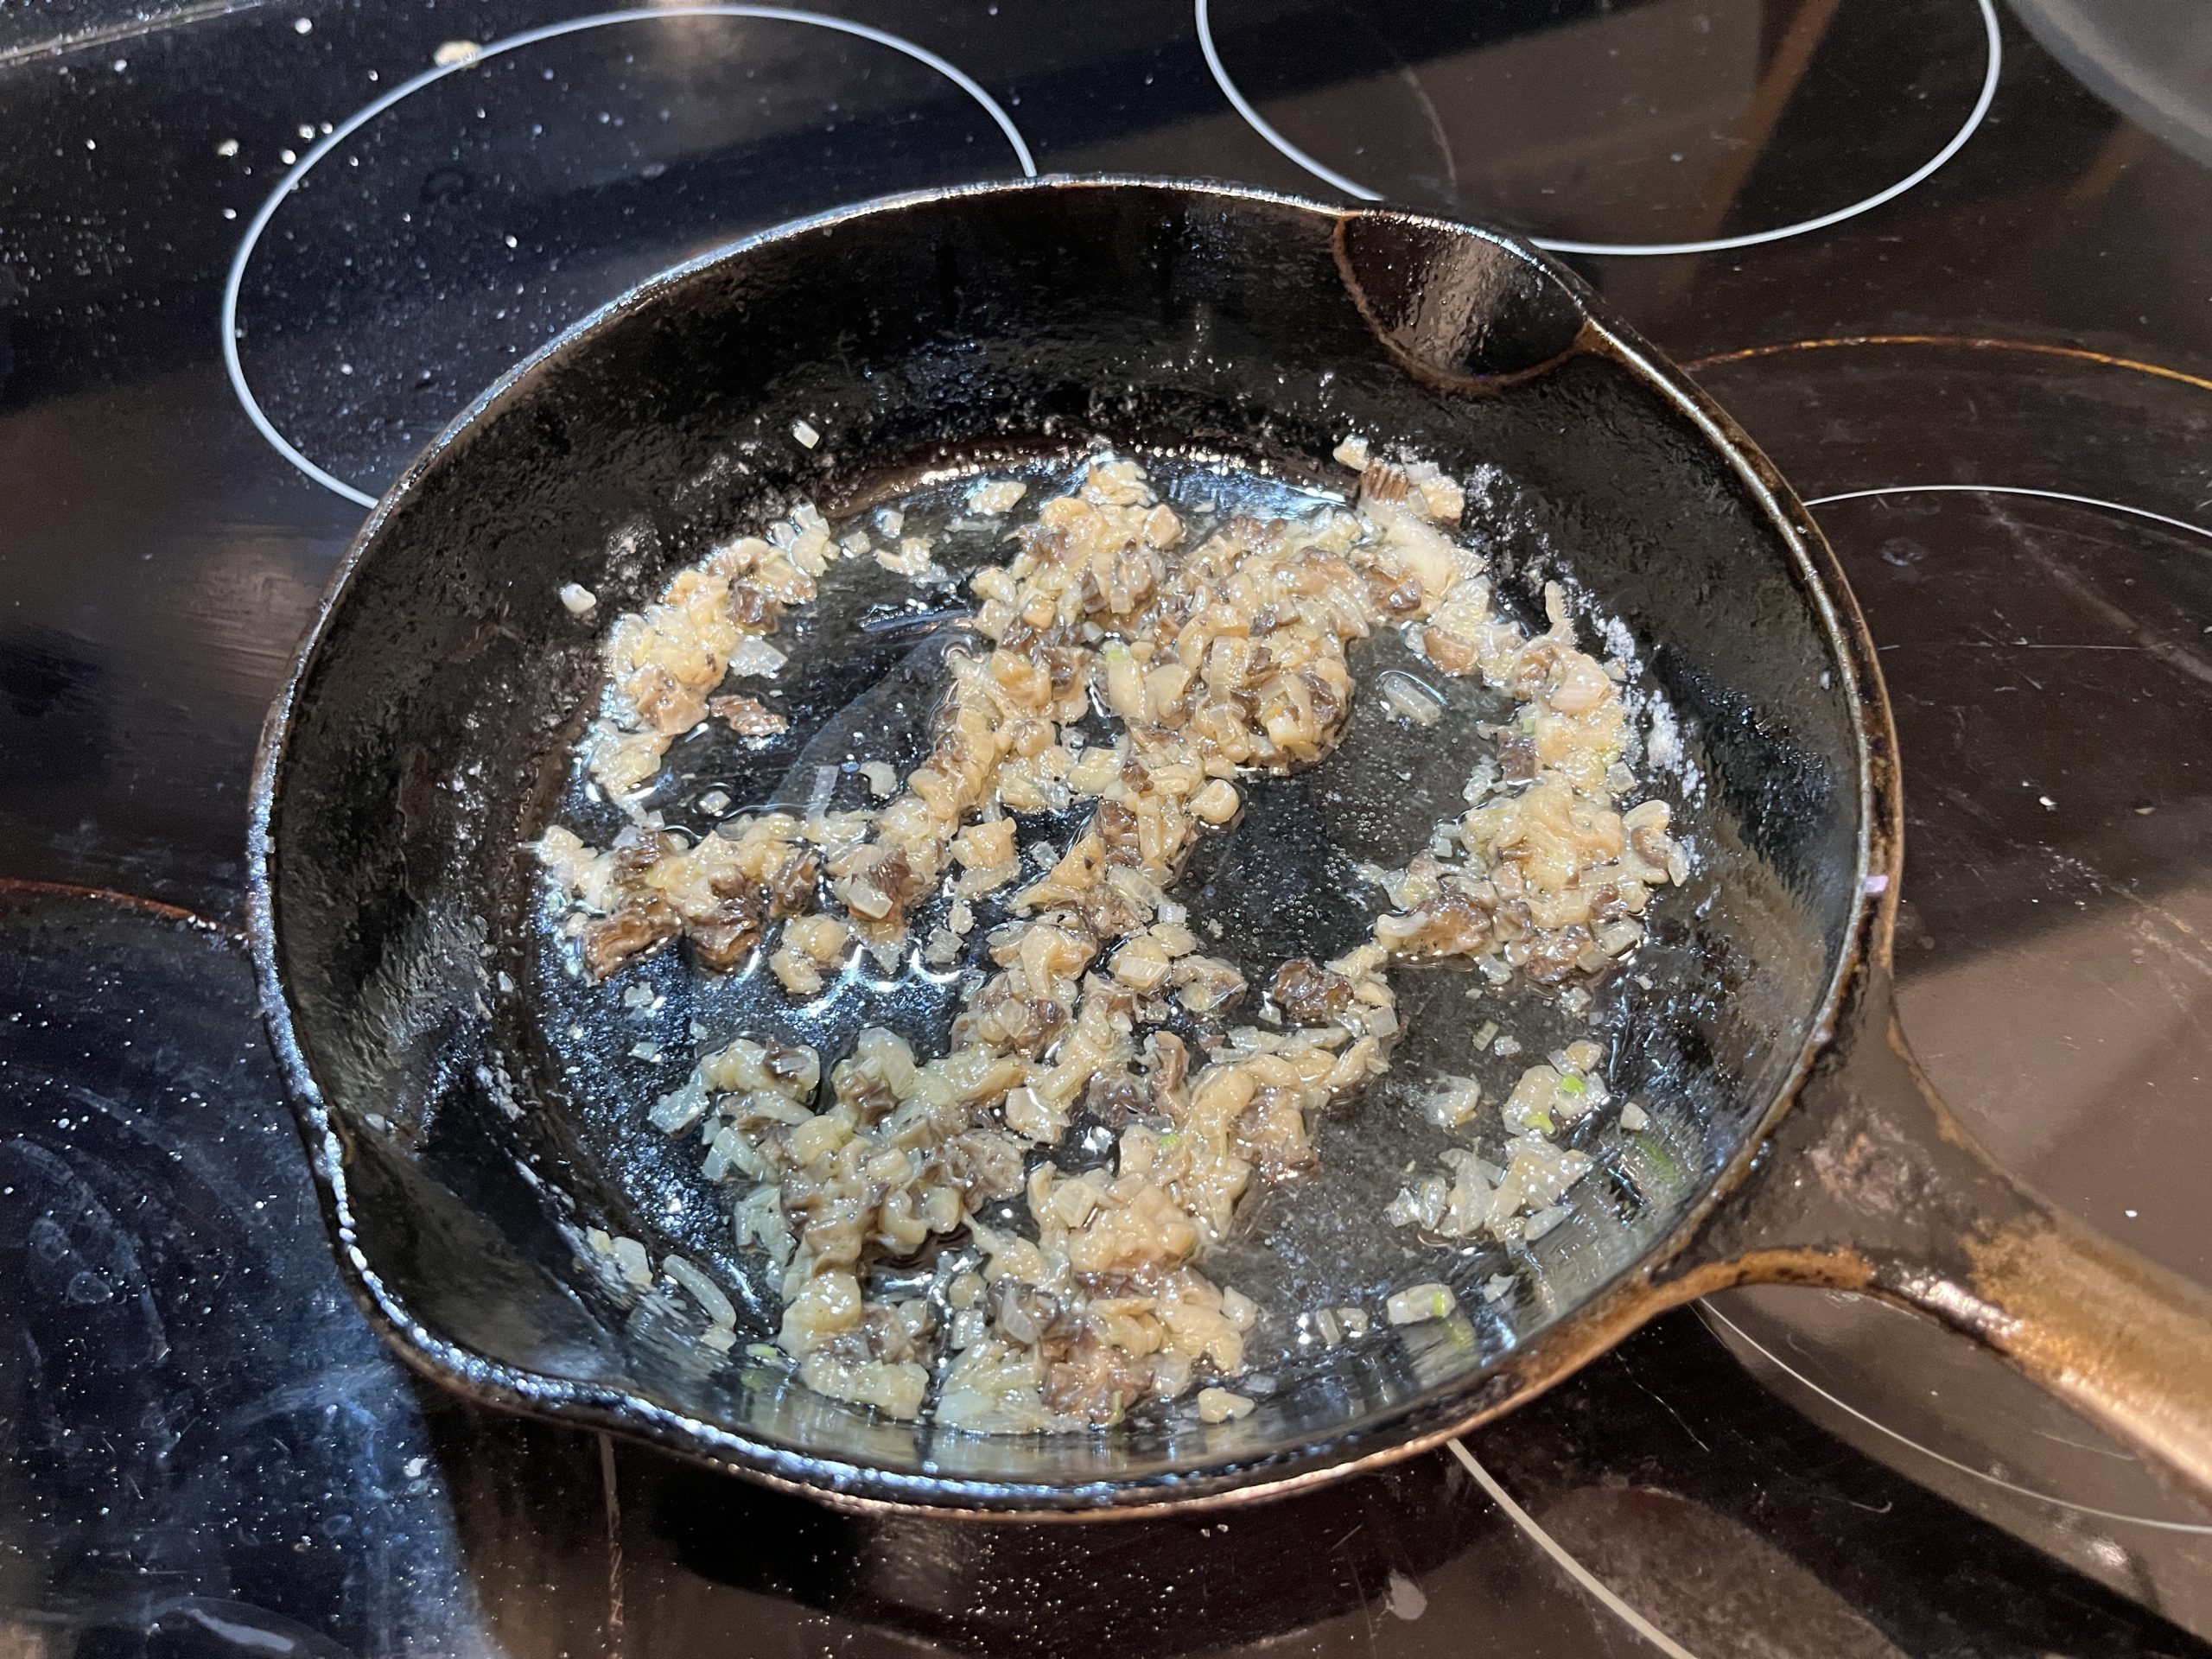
(864, 674)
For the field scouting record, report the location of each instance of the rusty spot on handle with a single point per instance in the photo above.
(2120, 1338)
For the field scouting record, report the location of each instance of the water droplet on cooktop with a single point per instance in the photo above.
(1603, 127)
(470, 214)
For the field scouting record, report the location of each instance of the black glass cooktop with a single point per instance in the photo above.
(1946, 260)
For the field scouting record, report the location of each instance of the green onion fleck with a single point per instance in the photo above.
(1571, 1086)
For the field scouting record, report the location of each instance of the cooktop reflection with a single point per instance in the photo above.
(1662, 128)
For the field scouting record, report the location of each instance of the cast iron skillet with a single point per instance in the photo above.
(465, 1121)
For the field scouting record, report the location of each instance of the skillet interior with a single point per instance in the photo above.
(427, 736)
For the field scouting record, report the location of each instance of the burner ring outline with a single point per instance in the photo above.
(1603, 1594)
(236, 280)
(1713, 1316)
(2011, 489)
(1994, 65)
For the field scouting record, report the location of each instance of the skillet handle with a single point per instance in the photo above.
(1871, 1183)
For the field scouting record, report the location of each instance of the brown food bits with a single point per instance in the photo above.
(1309, 994)
(723, 938)
(1096, 1381)
(1271, 1134)
(1380, 481)
(1212, 655)
(748, 716)
(642, 922)
(792, 888)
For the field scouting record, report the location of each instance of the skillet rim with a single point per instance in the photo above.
(1638, 1292)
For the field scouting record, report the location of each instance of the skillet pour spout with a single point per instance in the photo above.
(466, 1126)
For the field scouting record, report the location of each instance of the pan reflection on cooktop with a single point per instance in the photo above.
(2023, 525)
